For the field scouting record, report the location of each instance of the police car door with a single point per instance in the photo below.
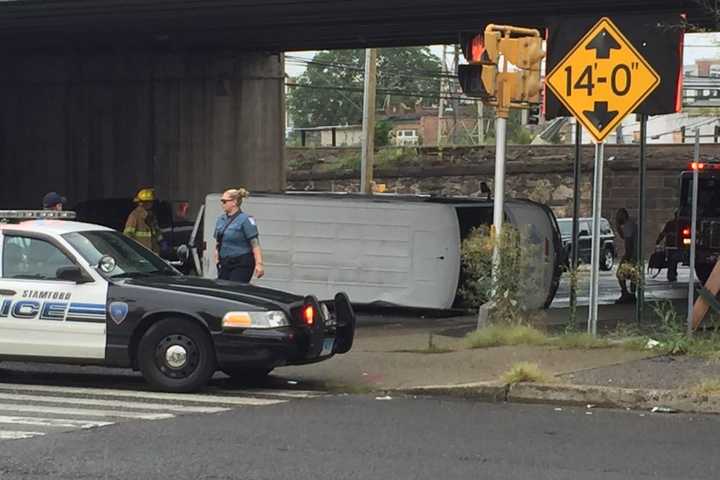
(42, 315)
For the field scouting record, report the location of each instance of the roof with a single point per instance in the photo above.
(51, 227)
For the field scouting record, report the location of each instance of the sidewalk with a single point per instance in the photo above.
(390, 355)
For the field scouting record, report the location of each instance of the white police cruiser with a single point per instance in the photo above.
(80, 293)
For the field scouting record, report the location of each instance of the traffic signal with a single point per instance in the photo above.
(531, 86)
(523, 52)
(478, 78)
(475, 80)
(473, 46)
(533, 114)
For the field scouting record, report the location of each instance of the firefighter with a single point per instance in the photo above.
(141, 224)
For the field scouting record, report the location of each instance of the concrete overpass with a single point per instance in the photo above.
(100, 97)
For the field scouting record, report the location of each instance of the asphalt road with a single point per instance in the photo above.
(656, 288)
(360, 437)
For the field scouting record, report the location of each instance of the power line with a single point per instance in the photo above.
(386, 91)
(415, 72)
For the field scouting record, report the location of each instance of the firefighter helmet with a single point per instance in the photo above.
(145, 195)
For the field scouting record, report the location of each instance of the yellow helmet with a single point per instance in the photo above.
(145, 195)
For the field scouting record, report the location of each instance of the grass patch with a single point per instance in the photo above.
(580, 340)
(525, 372)
(707, 387)
(633, 343)
(499, 335)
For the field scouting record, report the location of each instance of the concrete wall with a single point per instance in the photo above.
(104, 124)
(541, 173)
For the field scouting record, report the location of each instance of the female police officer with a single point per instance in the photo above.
(238, 248)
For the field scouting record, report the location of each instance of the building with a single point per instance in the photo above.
(329, 136)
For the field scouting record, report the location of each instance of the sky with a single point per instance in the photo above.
(697, 46)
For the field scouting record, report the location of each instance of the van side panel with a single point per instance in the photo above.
(405, 253)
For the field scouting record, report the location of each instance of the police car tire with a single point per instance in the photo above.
(193, 338)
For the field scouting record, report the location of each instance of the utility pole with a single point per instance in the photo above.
(455, 101)
(480, 106)
(368, 143)
(441, 102)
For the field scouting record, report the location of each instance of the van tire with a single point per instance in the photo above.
(607, 260)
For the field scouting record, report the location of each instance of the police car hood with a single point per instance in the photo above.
(220, 289)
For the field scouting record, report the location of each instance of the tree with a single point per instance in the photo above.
(330, 91)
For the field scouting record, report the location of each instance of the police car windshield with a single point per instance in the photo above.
(132, 259)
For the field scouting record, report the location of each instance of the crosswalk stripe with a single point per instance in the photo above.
(183, 397)
(12, 435)
(14, 407)
(112, 403)
(53, 422)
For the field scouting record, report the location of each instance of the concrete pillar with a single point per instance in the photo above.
(104, 124)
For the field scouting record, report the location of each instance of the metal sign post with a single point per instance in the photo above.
(600, 81)
(576, 214)
(640, 304)
(693, 233)
(595, 264)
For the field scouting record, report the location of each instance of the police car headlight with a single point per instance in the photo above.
(269, 319)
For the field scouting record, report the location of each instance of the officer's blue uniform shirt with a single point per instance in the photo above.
(237, 236)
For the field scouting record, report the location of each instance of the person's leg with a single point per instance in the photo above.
(223, 272)
(242, 273)
(672, 263)
(620, 274)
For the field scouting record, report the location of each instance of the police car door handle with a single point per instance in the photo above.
(440, 258)
(8, 293)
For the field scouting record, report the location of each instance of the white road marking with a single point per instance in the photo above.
(180, 397)
(12, 435)
(53, 422)
(112, 403)
(15, 407)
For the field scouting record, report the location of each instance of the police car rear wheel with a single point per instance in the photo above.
(176, 355)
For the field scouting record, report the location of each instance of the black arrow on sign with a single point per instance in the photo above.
(603, 43)
(600, 117)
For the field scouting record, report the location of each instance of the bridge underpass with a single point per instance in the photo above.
(100, 98)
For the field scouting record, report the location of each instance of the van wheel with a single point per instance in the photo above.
(176, 355)
(607, 260)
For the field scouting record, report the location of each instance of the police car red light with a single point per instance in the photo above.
(308, 314)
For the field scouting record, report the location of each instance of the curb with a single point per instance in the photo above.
(576, 395)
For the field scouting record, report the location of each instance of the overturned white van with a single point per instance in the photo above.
(389, 249)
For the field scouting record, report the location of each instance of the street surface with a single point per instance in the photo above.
(656, 288)
(357, 437)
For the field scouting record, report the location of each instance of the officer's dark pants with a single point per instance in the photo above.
(237, 269)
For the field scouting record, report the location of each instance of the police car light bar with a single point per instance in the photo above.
(704, 166)
(6, 215)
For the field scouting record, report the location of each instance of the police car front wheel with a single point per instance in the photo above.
(176, 355)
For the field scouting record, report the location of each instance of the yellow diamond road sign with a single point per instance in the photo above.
(602, 79)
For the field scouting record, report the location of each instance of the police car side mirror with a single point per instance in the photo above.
(71, 274)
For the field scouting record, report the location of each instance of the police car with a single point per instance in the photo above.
(80, 293)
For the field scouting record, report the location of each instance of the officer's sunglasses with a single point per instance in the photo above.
(225, 200)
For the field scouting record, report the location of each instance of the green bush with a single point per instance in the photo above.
(516, 272)
(526, 372)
